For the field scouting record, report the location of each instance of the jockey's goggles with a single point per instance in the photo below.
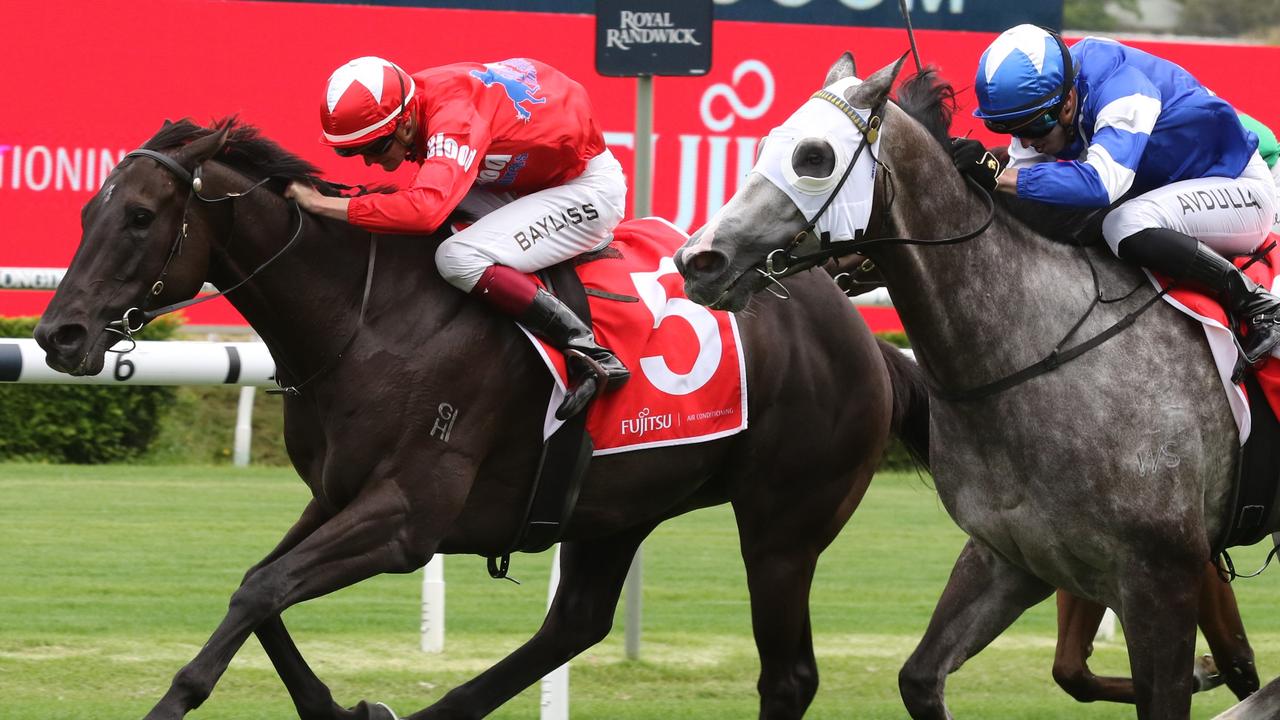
(376, 147)
(1033, 128)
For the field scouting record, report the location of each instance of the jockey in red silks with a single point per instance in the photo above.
(513, 144)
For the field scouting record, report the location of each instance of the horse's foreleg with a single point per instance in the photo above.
(780, 547)
(984, 595)
(1078, 621)
(366, 538)
(591, 577)
(1224, 630)
(1158, 602)
(312, 697)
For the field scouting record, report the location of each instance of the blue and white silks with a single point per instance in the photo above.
(1142, 122)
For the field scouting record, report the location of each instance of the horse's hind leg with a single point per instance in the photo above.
(984, 595)
(591, 577)
(1224, 630)
(366, 538)
(1078, 621)
(1158, 601)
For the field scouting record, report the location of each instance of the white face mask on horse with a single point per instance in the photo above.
(825, 117)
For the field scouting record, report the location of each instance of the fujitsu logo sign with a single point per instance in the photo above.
(644, 422)
(722, 105)
(440, 146)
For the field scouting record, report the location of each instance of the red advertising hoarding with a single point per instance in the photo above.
(87, 81)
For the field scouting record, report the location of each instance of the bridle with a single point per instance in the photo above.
(195, 183)
(125, 326)
(819, 247)
(783, 262)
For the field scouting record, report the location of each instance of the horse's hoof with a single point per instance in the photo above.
(374, 711)
(1205, 674)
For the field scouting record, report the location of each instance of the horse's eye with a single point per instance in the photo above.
(140, 219)
(813, 158)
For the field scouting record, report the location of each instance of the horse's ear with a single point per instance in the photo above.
(876, 88)
(197, 151)
(842, 68)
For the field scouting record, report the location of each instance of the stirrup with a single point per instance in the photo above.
(590, 386)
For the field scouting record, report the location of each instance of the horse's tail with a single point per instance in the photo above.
(910, 402)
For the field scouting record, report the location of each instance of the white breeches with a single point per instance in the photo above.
(1230, 215)
(537, 230)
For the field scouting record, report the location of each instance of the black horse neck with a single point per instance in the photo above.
(307, 303)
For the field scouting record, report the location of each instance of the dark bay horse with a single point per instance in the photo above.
(388, 493)
(1052, 479)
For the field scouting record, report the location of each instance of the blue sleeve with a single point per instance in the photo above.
(1128, 106)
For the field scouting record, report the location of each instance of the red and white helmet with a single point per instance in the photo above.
(361, 101)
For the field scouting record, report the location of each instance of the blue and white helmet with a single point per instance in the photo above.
(1026, 69)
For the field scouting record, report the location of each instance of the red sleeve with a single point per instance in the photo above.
(454, 149)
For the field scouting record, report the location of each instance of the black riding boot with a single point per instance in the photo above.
(553, 321)
(1189, 261)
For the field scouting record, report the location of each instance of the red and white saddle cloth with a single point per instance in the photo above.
(1213, 318)
(688, 377)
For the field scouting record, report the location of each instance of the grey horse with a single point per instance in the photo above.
(1109, 476)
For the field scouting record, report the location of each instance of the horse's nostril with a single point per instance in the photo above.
(707, 262)
(68, 337)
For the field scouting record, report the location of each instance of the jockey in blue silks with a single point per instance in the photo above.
(1105, 124)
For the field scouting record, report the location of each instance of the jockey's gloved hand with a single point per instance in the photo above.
(972, 160)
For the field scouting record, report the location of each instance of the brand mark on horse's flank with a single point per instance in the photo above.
(544, 227)
(644, 422)
(444, 424)
(1149, 462)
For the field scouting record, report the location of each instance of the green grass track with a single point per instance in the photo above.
(112, 577)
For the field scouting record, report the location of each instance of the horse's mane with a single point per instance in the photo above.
(931, 101)
(246, 149)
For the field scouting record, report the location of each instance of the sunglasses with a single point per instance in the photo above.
(377, 147)
(1029, 129)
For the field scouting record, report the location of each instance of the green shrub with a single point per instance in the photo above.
(199, 427)
(80, 423)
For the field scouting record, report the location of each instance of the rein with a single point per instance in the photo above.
(195, 183)
(782, 262)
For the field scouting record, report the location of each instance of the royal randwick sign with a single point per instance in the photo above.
(653, 37)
